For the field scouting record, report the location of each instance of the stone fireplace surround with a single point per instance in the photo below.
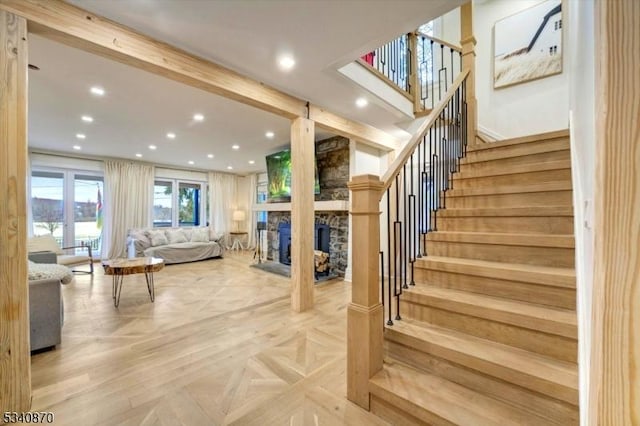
(332, 157)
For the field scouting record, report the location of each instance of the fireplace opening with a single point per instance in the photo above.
(321, 242)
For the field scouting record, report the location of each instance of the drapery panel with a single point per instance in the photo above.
(222, 201)
(251, 198)
(128, 202)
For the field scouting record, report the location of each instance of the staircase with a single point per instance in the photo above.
(489, 331)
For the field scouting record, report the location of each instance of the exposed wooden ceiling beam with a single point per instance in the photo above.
(79, 28)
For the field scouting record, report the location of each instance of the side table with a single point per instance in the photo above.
(236, 238)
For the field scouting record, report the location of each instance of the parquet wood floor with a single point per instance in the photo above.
(219, 346)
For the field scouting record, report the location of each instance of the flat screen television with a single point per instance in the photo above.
(279, 177)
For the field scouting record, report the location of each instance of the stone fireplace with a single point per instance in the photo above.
(332, 157)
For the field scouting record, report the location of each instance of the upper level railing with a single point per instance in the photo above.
(421, 66)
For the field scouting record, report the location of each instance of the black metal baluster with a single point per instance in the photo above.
(433, 77)
(397, 247)
(451, 70)
(389, 322)
(382, 283)
(403, 245)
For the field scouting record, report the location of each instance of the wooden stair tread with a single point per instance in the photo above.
(543, 275)
(541, 211)
(493, 354)
(528, 240)
(416, 391)
(550, 320)
(511, 189)
(520, 140)
(513, 170)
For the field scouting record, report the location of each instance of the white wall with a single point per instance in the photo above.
(527, 108)
(363, 160)
(580, 52)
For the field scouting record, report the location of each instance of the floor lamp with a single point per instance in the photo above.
(238, 216)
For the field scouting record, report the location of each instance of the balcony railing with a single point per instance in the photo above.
(421, 66)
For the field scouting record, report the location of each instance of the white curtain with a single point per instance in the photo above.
(128, 201)
(222, 201)
(251, 197)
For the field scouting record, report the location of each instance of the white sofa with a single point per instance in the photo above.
(175, 245)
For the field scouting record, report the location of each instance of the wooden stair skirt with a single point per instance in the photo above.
(489, 332)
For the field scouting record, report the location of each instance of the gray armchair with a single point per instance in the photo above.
(45, 313)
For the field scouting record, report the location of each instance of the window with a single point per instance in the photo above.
(178, 203)
(189, 204)
(68, 205)
(261, 198)
(162, 201)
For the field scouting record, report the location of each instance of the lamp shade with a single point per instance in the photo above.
(239, 216)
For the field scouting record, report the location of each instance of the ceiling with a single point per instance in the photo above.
(248, 36)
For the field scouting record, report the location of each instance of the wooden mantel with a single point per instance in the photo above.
(325, 206)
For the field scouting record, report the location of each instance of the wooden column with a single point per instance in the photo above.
(468, 43)
(302, 213)
(615, 353)
(364, 314)
(414, 79)
(15, 362)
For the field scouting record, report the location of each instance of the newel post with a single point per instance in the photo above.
(364, 314)
(468, 43)
(414, 79)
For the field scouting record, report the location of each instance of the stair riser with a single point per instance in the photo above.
(494, 370)
(501, 163)
(381, 407)
(543, 256)
(557, 412)
(548, 198)
(518, 150)
(561, 175)
(558, 225)
(513, 290)
(550, 345)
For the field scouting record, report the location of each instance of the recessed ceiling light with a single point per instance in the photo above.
(252, 162)
(81, 136)
(87, 119)
(98, 91)
(198, 117)
(236, 147)
(77, 147)
(229, 168)
(139, 155)
(210, 155)
(152, 147)
(191, 162)
(171, 135)
(286, 62)
(270, 134)
(361, 102)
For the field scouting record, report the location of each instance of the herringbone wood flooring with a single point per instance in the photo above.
(220, 345)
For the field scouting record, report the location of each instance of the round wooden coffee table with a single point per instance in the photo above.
(137, 265)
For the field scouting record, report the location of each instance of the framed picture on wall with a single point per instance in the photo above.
(528, 45)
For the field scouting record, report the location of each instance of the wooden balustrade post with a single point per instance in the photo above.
(468, 43)
(15, 361)
(414, 79)
(364, 314)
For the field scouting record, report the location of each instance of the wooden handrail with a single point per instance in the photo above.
(437, 40)
(407, 151)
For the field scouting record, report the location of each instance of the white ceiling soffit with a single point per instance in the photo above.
(244, 35)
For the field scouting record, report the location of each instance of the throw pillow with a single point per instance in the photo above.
(176, 236)
(214, 236)
(43, 243)
(200, 235)
(157, 238)
(141, 240)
